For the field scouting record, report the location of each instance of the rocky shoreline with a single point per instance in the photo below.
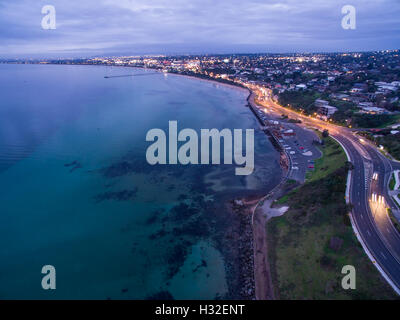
(246, 256)
(262, 280)
(237, 248)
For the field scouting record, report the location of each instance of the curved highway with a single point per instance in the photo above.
(369, 194)
(375, 228)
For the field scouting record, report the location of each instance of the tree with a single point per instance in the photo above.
(325, 133)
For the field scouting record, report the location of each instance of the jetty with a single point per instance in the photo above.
(131, 75)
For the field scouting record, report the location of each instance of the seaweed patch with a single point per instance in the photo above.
(177, 256)
(203, 264)
(74, 165)
(162, 295)
(154, 216)
(182, 212)
(122, 195)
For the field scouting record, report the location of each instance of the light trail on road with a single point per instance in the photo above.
(373, 225)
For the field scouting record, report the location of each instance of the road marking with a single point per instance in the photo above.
(383, 255)
(368, 233)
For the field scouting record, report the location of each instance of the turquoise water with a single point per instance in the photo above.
(77, 193)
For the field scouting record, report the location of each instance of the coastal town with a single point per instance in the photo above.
(356, 90)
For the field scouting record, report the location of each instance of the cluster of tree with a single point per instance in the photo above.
(297, 100)
(221, 70)
(392, 143)
(296, 77)
(371, 121)
(345, 111)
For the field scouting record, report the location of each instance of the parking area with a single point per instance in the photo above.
(299, 143)
(302, 151)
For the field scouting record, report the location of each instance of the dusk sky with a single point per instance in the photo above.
(128, 27)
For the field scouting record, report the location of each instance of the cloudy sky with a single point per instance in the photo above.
(117, 27)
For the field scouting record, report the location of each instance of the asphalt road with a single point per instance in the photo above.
(376, 230)
(370, 217)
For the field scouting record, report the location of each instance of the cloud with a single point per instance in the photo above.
(95, 27)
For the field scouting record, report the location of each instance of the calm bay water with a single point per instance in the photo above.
(76, 191)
